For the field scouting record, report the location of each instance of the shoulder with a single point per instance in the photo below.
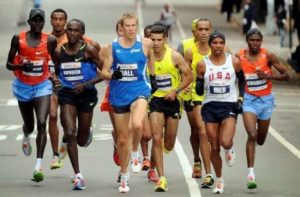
(51, 38)
(147, 42)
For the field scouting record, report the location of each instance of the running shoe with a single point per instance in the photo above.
(208, 182)
(136, 165)
(38, 175)
(230, 157)
(146, 164)
(152, 177)
(56, 163)
(197, 170)
(116, 156)
(90, 137)
(219, 188)
(251, 183)
(26, 147)
(161, 185)
(62, 151)
(78, 184)
(124, 186)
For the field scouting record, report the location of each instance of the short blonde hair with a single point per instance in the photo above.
(127, 15)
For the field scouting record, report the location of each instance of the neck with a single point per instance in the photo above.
(203, 48)
(217, 59)
(58, 33)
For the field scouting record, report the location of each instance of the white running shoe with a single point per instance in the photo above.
(26, 147)
(230, 156)
(124, 186)
(136, 164)
(219, 187)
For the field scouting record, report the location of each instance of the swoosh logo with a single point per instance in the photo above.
(78, 59)
(39, 52)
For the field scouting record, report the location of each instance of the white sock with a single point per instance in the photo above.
(251, 172)
(220, 179)
(79, 175)
(135, 153)
(38, 164)
(147, 157)
(26, 139)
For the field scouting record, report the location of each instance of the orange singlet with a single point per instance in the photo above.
(38, 55)
(255, 86)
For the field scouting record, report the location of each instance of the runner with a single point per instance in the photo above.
(125, 67)
(187, 43)
(172, 75)
(258, 99)
(168, 17)
(74, 62)
(217, 74)
(28, 58)
(193, 104)
(58, 21)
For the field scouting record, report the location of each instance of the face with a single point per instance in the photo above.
(147, 33)
(74, 32)
(58, 21)
(217, 46)
(129, 28)
(254, 43)
(203, 29)
(158, 41)
(36, 24)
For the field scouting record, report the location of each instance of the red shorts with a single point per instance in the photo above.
(105, 105)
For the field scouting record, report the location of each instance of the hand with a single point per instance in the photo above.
(153, 83)
(55, 82)
(239, 106)
(27, 66)
(117, 74)
(262, 75)
(78, 88)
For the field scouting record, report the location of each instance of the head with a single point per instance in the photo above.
(167, 7)
(119, 29)
(36, 20)
(254, 40)
(147, 31)
(216, 42)
(75, 30)
(160, 23)
(129, 24)
(59, 20)
(158, 36)
(203, 29)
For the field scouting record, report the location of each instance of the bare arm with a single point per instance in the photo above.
(107, 58)
(282, 74)
(51, 46)
(14, 48)
(188, 57)
(147, 47)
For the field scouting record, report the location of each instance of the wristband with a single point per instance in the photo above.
(178, 90)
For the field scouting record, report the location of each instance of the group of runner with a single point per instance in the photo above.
(149, 86)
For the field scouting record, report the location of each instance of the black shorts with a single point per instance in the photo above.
(126, 108)
(84, 102)
(169, 108)
(218, 111)
(188, 105)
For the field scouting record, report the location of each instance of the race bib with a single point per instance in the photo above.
(255, 84)
(37, 69)
(129, 72)
(71, 71)
(164, 82)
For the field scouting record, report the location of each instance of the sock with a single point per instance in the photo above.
(147, 157)
(55, 155)
(251, 172)
(79, 175)
(38, 164)
(209, 174)
(135, 154)
(26, 139)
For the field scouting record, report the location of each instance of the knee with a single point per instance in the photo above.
(137, 126)
(146, 137)
(252, 136)
(215, 149)
(41, 126)
(53, 116)
(122, 140)
(157, 140)
(226, 143)
(70, 134)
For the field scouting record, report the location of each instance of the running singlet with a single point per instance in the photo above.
(187, 43)
(167, 75)
(38, 55)
(220, 81)
(255, 86)
(132, 63)
(75, 69)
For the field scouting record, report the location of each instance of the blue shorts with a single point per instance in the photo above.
(25, 93)
(261, 106)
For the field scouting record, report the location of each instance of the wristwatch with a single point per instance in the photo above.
(177, 90)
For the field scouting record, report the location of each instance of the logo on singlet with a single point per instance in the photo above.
(78, 59)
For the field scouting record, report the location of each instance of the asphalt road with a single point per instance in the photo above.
(277, 163)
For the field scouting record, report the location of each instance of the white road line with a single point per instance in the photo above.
(3, 137)
(284, 142)
(187, 170)
(140, 17)
(287, 110)
(12, 102)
